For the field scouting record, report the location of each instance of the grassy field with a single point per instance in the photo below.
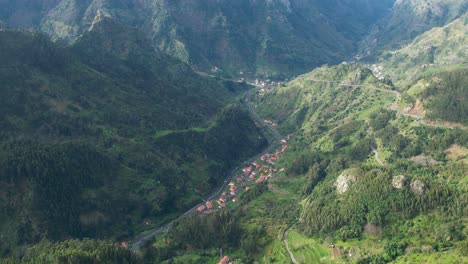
(276, 253)
(307, 250)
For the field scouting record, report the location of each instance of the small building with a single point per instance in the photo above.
(224, 260)
(201, 208)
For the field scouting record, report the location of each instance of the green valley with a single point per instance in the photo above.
(80, 153)
(249, 131)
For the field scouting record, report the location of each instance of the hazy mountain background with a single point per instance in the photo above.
(278, 37)
(408, 19)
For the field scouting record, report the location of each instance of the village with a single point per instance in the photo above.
(262, 169)
(265, 84)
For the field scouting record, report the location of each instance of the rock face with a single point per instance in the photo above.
(418, 16)
(398, 181)
(343, 182)
(418, 187)
(425, 161)
(255, 36)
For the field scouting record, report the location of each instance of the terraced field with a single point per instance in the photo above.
(308, 250)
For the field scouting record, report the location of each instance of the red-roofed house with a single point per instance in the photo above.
(209, 205)
(233, 190)
(224, 260)
(261, 179)
(239, 179)
(221, 202)
(124, 244)
(247, 170)
(235, 200)
(201, 208)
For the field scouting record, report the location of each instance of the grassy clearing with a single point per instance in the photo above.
(308, 250)
(276, 253)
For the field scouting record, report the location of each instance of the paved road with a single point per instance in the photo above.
(376, 156)
(285, 241)
(397, 94)
(274, 144)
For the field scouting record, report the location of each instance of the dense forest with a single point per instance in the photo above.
(447, 96)
(96, 144)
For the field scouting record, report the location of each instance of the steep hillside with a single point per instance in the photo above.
(24, 13)
(373, 181)
(109, 136)
(410, 18)
(361, 183)
(432, 51)
(276, 38)
(439, 97)
(322, 99)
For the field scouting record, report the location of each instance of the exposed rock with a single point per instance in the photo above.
(418, 187)
(456, 152)
(427, 249)
(398, 181)
(425, 161)
(344, 181)
(417, 109)
(372, 229)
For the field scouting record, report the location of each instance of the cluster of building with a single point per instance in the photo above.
(271, 123)
(377, 70)
(268, 85)
(256, 172)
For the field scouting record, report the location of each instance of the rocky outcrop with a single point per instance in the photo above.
(418, 187)
(425, 161)
(398, 181)
(344, 181)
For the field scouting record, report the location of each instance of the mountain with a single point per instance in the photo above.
(108, 136)
(432, 51)
(417, 16)
(272, 37)
(23, 13)
(368, 179)
(376, 161)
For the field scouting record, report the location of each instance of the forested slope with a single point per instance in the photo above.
(104, 136)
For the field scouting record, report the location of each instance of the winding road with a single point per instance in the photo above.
(274, 144)
(397, 94)
(136, 243)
